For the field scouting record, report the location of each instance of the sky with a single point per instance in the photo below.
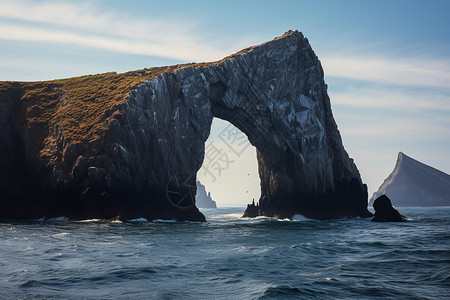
(386, 63)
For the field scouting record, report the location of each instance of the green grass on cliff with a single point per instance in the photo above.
(79, 107)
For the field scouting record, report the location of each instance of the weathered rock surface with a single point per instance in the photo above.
(144, 163)
(384, 212)
(203, 199)
(414, 184)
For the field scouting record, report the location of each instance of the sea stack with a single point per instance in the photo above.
(203, 199)
(130, 145)
(384, 212)
(414, 184)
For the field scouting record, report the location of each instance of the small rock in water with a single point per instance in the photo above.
(384, 212)
(252, 210)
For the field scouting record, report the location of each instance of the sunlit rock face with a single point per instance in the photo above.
(145, 163)
(415, 184)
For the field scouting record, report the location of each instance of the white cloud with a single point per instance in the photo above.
(407, 72)
(387, 114)
(373, 139)
(377, 120)
(87, 25)
(385, 129)
(392, 99)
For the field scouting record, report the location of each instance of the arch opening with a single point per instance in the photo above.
(230, 168)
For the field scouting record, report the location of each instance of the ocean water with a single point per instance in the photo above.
(228, 258)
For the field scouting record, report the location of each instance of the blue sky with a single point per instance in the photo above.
(386, 63)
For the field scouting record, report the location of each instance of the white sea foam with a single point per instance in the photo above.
(164, 221)
(232, 216)
(174, 221)
(138, 220)
(60, 235)
(89, 220)
(299, 217)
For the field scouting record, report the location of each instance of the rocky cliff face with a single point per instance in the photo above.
(413, 183)
(143, 160)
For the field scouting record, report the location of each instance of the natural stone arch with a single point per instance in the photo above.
(276, 95)
(155, 138)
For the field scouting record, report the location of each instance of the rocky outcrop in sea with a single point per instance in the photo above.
(415, 184)
(130, 145)
(385, 212)
(203, 199)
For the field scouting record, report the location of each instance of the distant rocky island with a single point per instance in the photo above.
(413, 183)
(127, 146)
(203, 199)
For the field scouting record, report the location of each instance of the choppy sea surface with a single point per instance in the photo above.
(228, 258)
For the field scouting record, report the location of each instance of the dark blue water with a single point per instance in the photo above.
(229, 258)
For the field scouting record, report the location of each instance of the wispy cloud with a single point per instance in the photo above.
(88, 25)
(373, 115)
(383, 106)
(406, 72)
(386, 129)
(387, 98)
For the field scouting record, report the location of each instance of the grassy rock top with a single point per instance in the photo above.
(81, 107)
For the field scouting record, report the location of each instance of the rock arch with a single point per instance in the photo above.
(274, 92)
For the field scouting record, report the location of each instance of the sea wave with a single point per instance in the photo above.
(299, 217)
(228, 257)
(285, 292)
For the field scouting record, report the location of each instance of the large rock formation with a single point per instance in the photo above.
(203, 199)
(413, 183)
(130, 145)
